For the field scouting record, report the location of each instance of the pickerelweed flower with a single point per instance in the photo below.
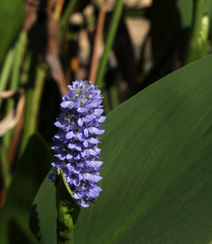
(76, 151)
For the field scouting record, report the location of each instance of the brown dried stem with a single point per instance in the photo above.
(58, 10)
(17, 133)
(11, 119)
(97, 41)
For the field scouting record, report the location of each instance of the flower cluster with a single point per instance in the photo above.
(76, 151)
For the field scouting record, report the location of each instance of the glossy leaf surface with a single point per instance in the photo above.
(157, 168)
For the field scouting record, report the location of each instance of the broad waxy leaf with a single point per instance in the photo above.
(157, 168)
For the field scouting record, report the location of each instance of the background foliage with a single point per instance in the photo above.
(156, 148)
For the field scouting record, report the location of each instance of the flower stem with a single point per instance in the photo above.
(67, 210)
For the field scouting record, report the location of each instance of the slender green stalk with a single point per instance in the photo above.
(14, 84)
(64, 25)
(197, 16)
(65, 17)
(6, 70)
(25, 69)
(19, 54)
(33, 99)
(39, 84)
(4, 168)
(199, 31)
(109, 42)
(5, 73)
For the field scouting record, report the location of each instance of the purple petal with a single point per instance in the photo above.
(94, 130)
(86, 132)
(93, 140)
(98, 112)
(58, 124)
(71, 146)
(66, 104)
(88, 118)
(70, 135)
(101, 119)
(95, 163)
(69, 156)
(85, 143)
(80, 122)
(83, 204)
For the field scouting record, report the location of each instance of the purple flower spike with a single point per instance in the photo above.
(76, 151)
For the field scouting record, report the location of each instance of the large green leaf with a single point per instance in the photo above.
(157, 169)
(14, 217)
(11, 21)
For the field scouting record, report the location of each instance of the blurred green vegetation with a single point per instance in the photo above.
(45, 45)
